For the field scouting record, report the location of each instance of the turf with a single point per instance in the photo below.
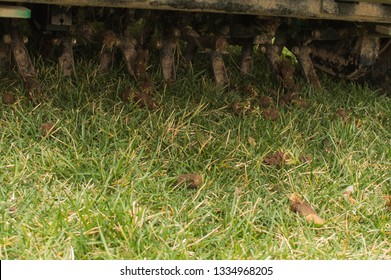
(102, 184)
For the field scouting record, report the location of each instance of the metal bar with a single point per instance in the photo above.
(387, 2)
(385, 30)
(321, 9)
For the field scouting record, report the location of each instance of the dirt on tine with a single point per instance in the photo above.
(293, 44)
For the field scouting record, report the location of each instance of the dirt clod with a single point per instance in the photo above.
(271, 114)
(250, 91)
(288, 98)
(47, 128)
(239, 109)
(141, 63)
(265, 101)
(33, 88)
(190, 180)
(343, 114)
(303, 103)
(277, 159)
(305, 158)
(145, 100)
(140, 98)
(8, 98)
(387, 199)
(298, 205)
(109, 39)
(288, 73)
(146, 85)
(128, 94)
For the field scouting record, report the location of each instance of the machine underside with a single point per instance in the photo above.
(347, 39)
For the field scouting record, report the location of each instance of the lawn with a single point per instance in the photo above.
(85, 175)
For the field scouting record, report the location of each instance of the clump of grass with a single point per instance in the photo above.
(102, 183)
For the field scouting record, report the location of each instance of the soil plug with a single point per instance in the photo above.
(190, 180)
(140, 98)
(250, 91)
(128, 94)
(303, 103)
(239, 109)
(146, 86)
(47, 128)
(145, 100)
(277, 159)
(265, 101)
(343, 114)
(304, 209)
(8, 98)
(271, 114)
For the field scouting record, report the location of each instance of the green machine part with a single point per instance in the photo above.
(14, 12)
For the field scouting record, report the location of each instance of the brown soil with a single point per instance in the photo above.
(8, 98)
(249, 91)
(288, 73)
(109, 39)
(343, 114)
(140, 98)
(190, 180)
(277, 159)
(288, 98)
(128, 94)
(303, 103)
(304, 209)
(141, 63)
(145, 100)
(271, 114)
(239, 109)
(146, 85)
(387, 199)
(265, 101)
(47, 128)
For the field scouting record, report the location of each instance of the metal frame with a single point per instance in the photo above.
(369, 11)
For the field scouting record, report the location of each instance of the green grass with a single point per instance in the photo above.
(103, 184)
